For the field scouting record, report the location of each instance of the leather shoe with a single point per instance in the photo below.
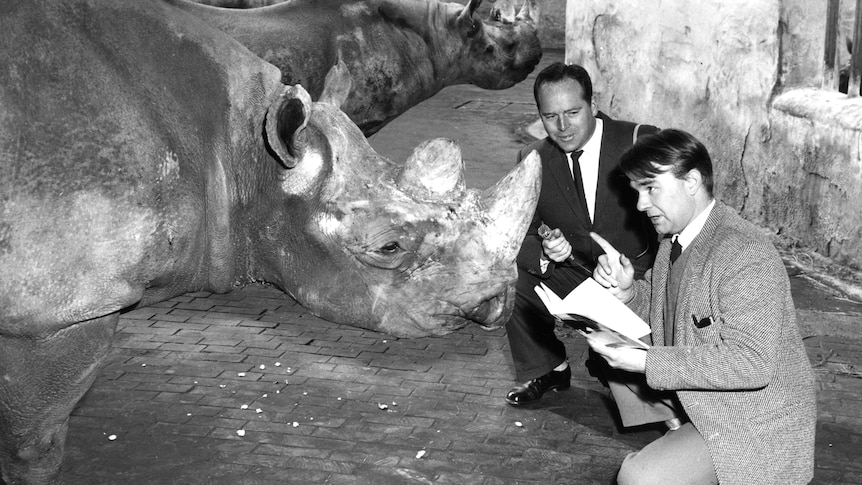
(533, 389)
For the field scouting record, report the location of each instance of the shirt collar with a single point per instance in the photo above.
(694, 227)
(593, 146)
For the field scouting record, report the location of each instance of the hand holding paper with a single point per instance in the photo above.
(620, 357)
(610, 322)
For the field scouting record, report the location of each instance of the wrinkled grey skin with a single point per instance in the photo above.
(145, 154)
(399, 52)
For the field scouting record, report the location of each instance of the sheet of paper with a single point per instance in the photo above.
(591, 300)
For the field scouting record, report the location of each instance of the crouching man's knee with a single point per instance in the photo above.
(635, 470)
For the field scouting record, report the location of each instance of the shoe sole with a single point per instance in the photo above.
(550, 389)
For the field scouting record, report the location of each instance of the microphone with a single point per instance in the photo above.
(545, 233)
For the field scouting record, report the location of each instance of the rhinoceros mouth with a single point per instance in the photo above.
(490, 313)
(445, 317)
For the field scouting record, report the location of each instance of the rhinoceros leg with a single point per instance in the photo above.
(41, 379)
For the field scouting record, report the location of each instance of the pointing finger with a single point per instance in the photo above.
(611, 251)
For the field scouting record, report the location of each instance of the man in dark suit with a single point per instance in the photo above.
(582, 191)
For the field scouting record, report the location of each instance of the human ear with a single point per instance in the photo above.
(693, 181)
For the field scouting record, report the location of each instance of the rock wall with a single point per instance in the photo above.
(813, 182)
(552, 26)
(735, 73)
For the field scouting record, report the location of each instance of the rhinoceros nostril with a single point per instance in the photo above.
(488, 312)
(479, 311)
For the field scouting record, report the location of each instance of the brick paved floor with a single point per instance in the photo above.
(329, 403)
(325, 403)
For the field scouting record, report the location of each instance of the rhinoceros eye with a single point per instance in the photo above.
(384, 244)
(388, 256)
(390, 247)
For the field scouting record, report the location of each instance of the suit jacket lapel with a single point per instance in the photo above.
(605, 168)
(694, 267)
(559, 167)
(661, 273)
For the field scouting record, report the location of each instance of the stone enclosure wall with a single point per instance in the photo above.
(552, 23)
(744, 77)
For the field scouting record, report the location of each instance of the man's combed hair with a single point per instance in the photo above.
(671, 150)
(557, 72)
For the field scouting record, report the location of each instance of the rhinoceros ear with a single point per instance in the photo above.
(337, 84)
(285, 122)
(466, 22)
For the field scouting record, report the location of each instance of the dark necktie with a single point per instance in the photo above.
(579, 180)
(675, 250)
(671, 294)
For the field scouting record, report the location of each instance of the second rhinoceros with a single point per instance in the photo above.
(399, 52)
(145, 154)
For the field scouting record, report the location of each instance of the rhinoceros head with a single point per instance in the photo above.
(506, 39)
(495, 53)
(407, 250)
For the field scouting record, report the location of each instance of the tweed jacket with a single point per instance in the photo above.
(616, 217)
(738, 365)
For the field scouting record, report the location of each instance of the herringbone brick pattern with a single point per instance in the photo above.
(326, 403)
(320, 402)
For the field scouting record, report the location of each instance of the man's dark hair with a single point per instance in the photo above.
(671, 150)
(557, 72)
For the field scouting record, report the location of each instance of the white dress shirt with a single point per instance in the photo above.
(589, 163)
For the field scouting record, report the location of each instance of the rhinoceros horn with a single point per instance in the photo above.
(529, 11)
(434, 172)
(504, 11)
(337, 84)
(505, 202)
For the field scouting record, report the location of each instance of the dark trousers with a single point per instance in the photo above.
(536, 350)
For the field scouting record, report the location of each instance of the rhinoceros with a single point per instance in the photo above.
(145, 154)
(399, 52)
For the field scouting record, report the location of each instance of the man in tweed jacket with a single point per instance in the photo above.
(724, 331)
